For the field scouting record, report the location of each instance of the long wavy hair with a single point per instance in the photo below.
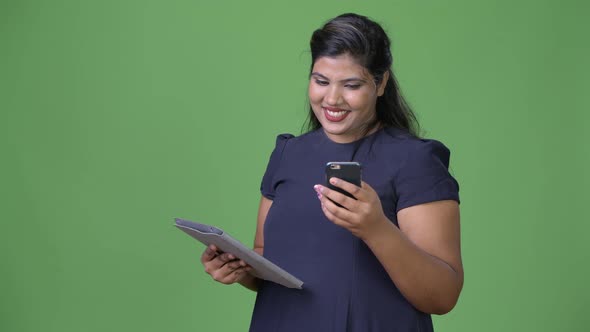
(367, 42)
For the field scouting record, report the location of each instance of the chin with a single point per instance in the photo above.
(334, 128)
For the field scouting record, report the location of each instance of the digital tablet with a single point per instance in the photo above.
(261, 267)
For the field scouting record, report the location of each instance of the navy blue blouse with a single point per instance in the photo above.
(345, 286)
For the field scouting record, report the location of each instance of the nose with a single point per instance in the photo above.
(333, 96)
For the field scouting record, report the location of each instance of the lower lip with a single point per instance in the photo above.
(333, 118)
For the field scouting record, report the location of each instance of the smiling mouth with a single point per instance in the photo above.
(335, 114)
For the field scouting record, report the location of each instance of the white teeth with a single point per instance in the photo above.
(336, 114)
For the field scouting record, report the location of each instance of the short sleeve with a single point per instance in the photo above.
(424, 176)
(267, 187)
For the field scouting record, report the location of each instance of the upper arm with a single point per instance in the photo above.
(263, 208)
(267, 188)
(428, 202)
(434, 228)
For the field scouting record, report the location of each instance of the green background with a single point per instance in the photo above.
(117, 116)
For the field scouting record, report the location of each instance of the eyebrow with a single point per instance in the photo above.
(350, 79)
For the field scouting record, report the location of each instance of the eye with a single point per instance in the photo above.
(320, 82)
(353, 86)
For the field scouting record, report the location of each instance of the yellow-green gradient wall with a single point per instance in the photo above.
(117, 116)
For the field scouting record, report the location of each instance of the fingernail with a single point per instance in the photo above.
(333, 180)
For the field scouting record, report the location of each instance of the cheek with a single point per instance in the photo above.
(315, 95)
(361, 101)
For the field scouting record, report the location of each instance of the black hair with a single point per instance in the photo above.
(367, 42)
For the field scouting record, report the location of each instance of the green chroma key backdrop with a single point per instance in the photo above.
(117, 116)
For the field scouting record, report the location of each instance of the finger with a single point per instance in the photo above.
(209, 253)
(226, 274)
(217, 262)
(353, 189)
(244, 270)
(238, 275)
(345, 201)
(220, 274)
(367, 189)
(226, 257)
(333, 218)
(336, 211)
(234, 265)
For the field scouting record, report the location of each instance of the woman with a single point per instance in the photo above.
(384, 261)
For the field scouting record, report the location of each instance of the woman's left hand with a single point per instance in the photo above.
(362, 217)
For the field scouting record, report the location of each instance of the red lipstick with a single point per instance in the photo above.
(334, 114)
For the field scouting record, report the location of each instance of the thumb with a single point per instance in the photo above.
(209, 254)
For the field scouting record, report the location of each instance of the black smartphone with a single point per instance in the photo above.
(349, 171)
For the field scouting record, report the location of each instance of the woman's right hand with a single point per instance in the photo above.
(224, 268)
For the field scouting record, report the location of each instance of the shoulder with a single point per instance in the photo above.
(411, 149)
(281, 141)
(289, 140)
(421, 169)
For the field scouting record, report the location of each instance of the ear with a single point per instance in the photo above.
(383, 84)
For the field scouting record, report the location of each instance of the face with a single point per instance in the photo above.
(343, 95)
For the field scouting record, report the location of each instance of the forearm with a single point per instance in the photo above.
(428, 283)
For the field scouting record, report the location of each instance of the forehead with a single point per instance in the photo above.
(339, 67)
